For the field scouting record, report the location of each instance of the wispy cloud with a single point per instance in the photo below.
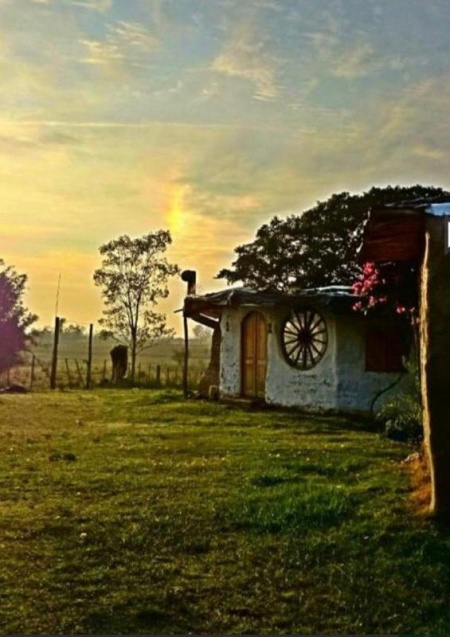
(93, 5)
(357, 61)
(125, 42)
(247, 57)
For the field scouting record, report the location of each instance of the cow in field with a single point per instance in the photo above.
(119, 358)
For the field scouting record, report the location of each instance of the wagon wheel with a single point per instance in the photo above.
(304, 338)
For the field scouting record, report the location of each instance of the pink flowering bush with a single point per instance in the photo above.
(388, 289)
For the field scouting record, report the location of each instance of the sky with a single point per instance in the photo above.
(205, 118)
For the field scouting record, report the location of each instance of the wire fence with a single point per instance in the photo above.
(74, 358)
(72, 373)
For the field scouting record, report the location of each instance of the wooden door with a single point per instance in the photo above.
(254, 355)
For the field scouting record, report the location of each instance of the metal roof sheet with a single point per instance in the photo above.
(336, 298)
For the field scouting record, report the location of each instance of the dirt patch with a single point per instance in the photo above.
(420, 483)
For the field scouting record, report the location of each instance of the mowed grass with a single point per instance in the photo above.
(138, 512)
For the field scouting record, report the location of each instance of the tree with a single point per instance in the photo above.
(316, 248)
(133, 277)
(15, 319)
(202, 334)
(73, 330)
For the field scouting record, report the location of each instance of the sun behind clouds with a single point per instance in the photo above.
(177, 213)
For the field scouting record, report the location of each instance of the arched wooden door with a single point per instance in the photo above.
(254, 355)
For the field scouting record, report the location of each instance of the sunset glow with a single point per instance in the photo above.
(177, 215)
(206, 118)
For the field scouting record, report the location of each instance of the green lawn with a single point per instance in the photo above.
(135, 512)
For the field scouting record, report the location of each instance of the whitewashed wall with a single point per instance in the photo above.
(338, 382)
(356, 388)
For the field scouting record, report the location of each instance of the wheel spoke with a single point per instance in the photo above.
(300, 319)
(316, 349)
(311, 355)
(291, 351)
(304, 357)
(310, 320)
(314, 323)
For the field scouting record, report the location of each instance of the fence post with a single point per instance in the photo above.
(69, 375)
(158, 375)
(186, 357)
(89, 361)
(33, 363)
(80, 375)
(55, 354)
(104, 371)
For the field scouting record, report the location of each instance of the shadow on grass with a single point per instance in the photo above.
(149, 619)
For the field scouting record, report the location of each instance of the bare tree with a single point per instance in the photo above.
(133, 278)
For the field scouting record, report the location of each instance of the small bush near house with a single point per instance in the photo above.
(402, 419)
(402, 416)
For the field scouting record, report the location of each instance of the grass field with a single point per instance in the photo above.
(136, 512)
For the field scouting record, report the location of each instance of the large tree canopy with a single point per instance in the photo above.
(133, 277)
(318, 247)
(15, 319)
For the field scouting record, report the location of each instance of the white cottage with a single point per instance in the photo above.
(309, 350)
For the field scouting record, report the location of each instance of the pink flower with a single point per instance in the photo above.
(368, 268)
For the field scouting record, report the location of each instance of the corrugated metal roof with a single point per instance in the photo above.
(336, 298)
(419, 204)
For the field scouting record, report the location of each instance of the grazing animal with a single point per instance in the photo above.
(119, 358)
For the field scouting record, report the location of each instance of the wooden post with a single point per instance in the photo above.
(104, 371)
(158, 375)
(80, 375)
(55, 354)
(89, 360)
(69, 375)
(33, 364)
(186, 357)
(435, 368)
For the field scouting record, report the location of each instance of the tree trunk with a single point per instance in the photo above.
(435, 367)
(133, 359)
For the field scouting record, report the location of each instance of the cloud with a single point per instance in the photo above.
(247, 57)
(125, 43)
(357, 61)
(242, 62)
(102, 52)
(93, 5)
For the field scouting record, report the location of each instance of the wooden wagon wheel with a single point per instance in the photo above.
(304, 338)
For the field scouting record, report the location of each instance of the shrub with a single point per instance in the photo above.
(401, 417)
